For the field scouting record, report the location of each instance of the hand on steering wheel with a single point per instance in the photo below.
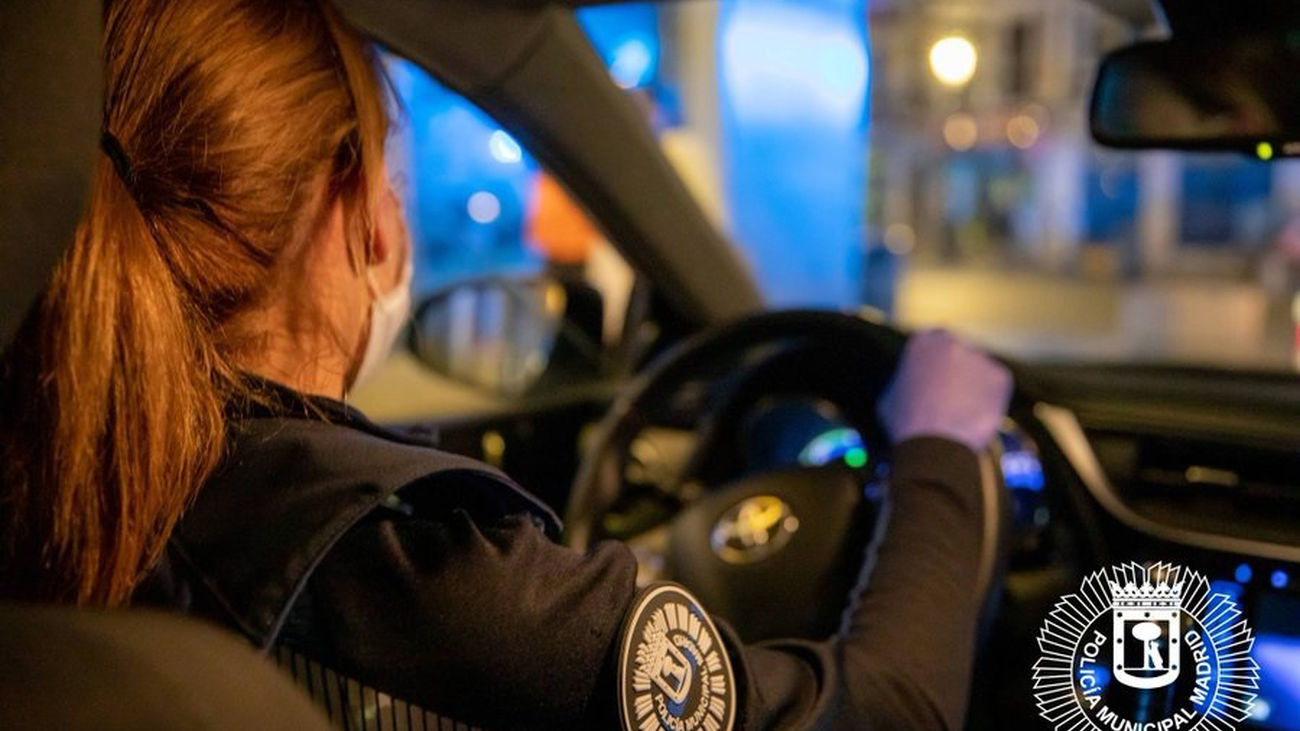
(944, 388)
(928, 385)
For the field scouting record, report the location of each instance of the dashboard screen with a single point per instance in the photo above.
(1272, 606)
(1277, 650)
(802, 432)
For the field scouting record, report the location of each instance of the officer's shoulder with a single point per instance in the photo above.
(674, 670)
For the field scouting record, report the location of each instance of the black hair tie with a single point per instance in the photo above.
(121, 163)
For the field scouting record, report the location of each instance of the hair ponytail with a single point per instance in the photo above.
(112, 396)
(127, 405)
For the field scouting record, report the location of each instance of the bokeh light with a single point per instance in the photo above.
(632, 64)
(484, 207)
(900, 239)
(1243, 573)
(1023, 131)
(960, 131)
(953, 60)
(504, 148)
(627, 37)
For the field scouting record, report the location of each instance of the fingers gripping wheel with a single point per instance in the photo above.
(673, 667)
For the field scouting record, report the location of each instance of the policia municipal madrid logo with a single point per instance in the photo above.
(673, 671)
(1145, 649)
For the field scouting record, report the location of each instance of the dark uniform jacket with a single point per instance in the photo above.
(435, 580)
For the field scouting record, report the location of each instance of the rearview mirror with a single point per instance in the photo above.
(496, 334)
(1227, 92)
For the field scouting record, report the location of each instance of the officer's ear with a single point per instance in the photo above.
(389, 246)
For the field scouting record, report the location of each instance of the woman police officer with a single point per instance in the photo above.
(173, 432)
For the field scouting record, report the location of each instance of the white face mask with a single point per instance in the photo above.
(388, 315)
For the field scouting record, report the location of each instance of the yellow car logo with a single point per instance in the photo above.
(754, 529)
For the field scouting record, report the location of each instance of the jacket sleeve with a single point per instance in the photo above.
(491, 623)
(904, 658)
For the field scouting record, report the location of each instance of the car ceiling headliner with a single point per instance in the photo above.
(1137, 11)
(49, 129)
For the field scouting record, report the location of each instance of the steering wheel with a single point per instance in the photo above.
(778, 552)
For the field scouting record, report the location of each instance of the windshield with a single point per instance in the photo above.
(932, 160)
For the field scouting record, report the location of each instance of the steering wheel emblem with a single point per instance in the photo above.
(754, 529)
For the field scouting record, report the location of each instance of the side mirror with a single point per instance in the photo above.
(503, 335)
(1235, 92)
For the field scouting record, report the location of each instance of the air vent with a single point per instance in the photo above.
(1217, 487)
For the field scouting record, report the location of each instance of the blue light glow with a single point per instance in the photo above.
(1279, 680)
(627, 37)
(787, 62)
(1099, 672)
(633, 64)
(794, 78)
(466, 182)
(1232, 589)
(1280, 579)
(449, 152)
(1021, 470)
(833, 446)
(1261, 710)
(1243, 573)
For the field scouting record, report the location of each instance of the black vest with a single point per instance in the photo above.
(297, 476)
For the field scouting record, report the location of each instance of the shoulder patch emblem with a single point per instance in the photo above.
(673, 670)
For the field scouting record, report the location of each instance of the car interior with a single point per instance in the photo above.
(646, 416)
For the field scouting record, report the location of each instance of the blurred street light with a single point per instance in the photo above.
(961, 131)
(953, 60)
(1023, 131)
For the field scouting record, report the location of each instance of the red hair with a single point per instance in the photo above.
(239, 123)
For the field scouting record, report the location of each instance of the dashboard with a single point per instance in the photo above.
(1267, 594)
(1198, 468)
(1192, 499)
(1104, 465)
(794, 431)
(1089, 489)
